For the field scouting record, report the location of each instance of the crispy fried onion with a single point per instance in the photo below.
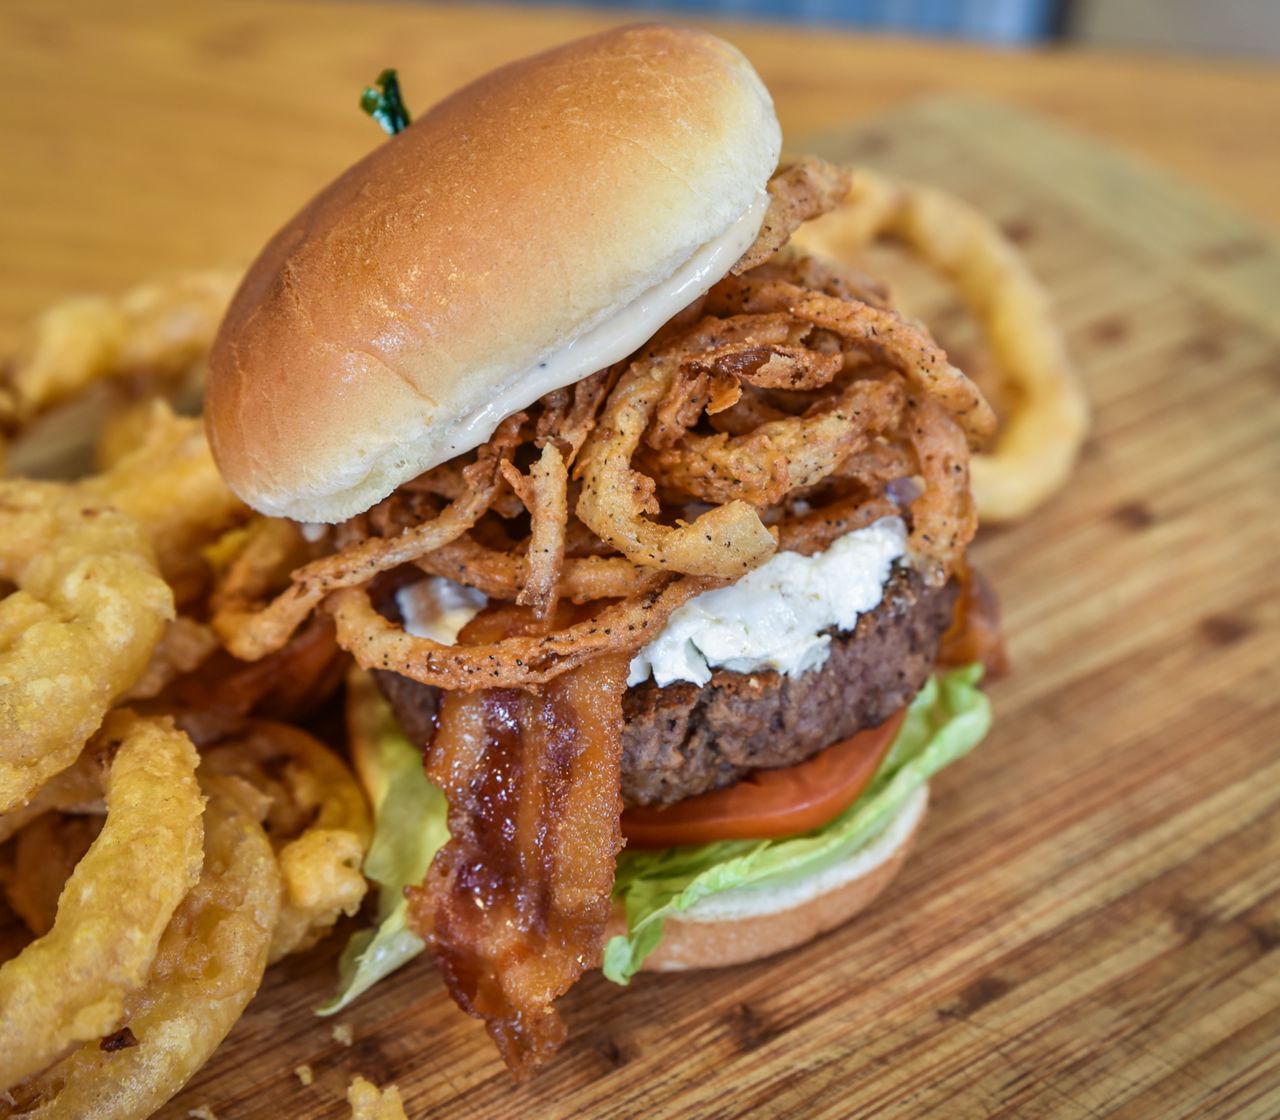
(1039, 441)
(502, 575)
(317, 820)
(171, 485)
(879, 331)
(726, 541)
(544, 492)
(71, 984)
(515, 904)
(763, 466)
(513, 662)
(250, 632)
(803, 190)
(209, 964)
(89, 609)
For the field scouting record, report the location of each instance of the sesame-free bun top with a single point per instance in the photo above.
(404, 312)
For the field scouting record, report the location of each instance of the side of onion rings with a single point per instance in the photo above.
(318, 821)
(71, 984)
(209, 965)
(89, 609)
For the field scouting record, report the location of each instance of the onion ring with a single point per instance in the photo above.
(1037, 448)
(44, 856)
(209, 965)
(89, 609)
(368, 1102)
(77, 789)
(157, 331)
(71, 984)
(317, 820)
(171, 485)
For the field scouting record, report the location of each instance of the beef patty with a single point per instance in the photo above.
(686, 739)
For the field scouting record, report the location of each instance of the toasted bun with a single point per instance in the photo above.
(397, 319)
(748, 924)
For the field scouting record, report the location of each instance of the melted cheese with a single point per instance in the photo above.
(622, 333)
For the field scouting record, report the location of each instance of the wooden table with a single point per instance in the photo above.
(1090, 925)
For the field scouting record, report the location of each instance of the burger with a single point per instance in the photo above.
(646, 529)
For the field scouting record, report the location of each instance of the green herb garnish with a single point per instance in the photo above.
(384, 104)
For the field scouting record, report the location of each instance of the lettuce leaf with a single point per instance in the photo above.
(409, 827)
(944, 722)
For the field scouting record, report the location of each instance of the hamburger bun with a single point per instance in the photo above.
(416, 300)
(756, 922)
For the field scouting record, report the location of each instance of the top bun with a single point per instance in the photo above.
(403, 313)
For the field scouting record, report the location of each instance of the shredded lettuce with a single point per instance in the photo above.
(409, 827)
(945, 721)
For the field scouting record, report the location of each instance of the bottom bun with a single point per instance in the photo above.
(754, 922)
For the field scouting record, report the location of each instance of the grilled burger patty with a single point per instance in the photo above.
(686, 739)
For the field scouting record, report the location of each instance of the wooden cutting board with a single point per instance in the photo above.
(1090, 923)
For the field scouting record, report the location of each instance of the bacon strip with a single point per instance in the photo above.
(515, 904)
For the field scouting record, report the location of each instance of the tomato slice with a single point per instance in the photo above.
(768, 803)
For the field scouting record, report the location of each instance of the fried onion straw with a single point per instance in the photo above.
(501, 575)
(764, 465)
(544, 493)
(511, 662)
(883, 332)
(250, 633)
(615, 497)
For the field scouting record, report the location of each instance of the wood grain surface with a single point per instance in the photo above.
(1090, 923)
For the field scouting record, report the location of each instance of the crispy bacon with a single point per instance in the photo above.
(975, 633)
(515, 904)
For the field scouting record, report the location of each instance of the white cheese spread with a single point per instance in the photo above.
(438, 608)
(774, 617)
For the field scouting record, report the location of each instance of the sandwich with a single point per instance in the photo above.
(646, 530)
